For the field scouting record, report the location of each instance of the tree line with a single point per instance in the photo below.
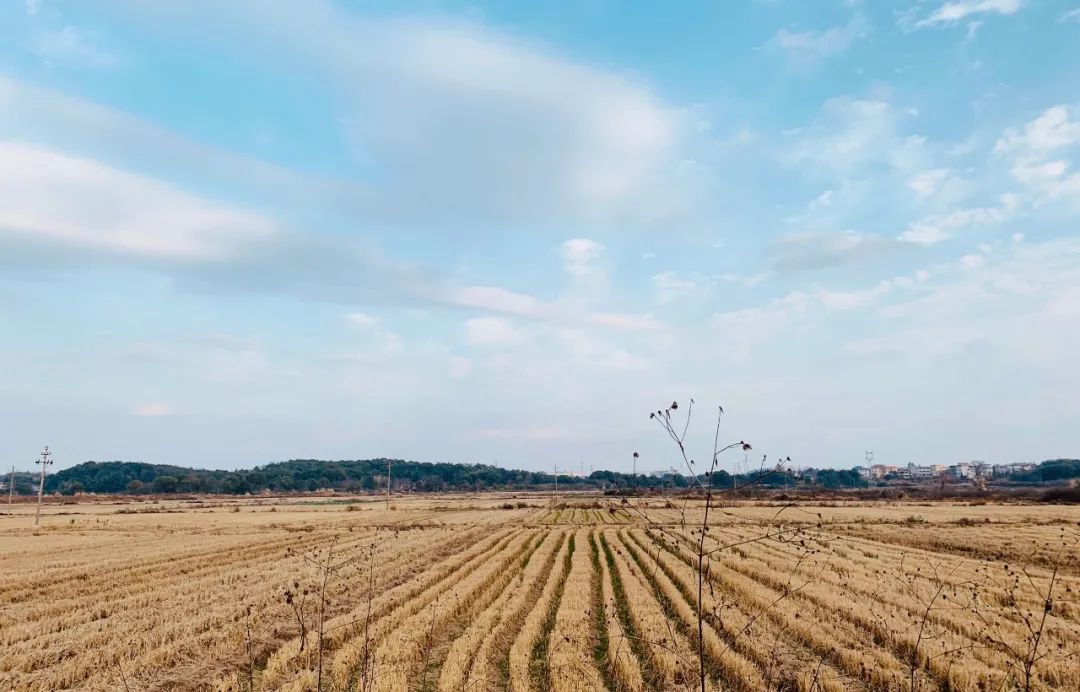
(308, 475)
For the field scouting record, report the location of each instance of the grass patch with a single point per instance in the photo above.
(539, 666)
(600, 647)
(626, 621)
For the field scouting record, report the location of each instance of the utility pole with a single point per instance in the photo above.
(556, 483)
(11, 485)
(635, 473)
(388, 484)
(44, 461)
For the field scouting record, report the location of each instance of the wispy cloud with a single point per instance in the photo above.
(939, 228)
(854, 133)
(1052, 130)
(491, 331)
(953, 12)
(504, 301)
(802, 251)
(580, 255)
(362, 319)
(810, 47)
(534, 138)
(926, 183)
(152, 410)
(72, 47)
(1040, 153)
(53, 198)
(669, 287)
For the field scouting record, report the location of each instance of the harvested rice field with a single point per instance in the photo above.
(499, 592)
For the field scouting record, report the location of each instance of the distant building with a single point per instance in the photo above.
(875, 472)
(919, 473)
(959, 472)
(1009, 469)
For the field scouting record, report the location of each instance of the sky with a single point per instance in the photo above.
(237, 233)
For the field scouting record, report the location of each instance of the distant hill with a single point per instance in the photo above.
(301, 475)
(306, 475)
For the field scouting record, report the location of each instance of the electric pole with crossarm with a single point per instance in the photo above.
(44, 462)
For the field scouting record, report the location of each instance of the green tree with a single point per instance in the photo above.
(166, 484)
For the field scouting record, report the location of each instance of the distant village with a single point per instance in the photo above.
(968, 471)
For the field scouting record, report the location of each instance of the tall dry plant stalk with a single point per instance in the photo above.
(328, 571)
(702, 483)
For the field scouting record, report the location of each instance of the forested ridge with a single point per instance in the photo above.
(306, 475)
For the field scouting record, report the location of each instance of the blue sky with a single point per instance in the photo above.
(234, 233)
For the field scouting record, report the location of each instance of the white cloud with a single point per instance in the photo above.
(998, 301)
(497, 299)
(491, 331)
(501, 300)
(668, 288)
(741, 332)
(799, 251)
(460, 368)
(362, 319)
(926, 183)
(1032, 151)
(50, 197)
(579, 256)
(825, 199)
(620, 359)
(71, 47)
(1070, 16)
(749, 281)
(918, 344)
(853, 134)
(852, 300)
(815, 46)
(83, 128)
(625, 321)
(972, 261)
(583, 264)
(1052, 130)
(936, 229)
(953, 12)
(1029, 172)
(152, 410)
(481, 125)
(383, 347)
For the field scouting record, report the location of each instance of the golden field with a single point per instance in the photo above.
(494, 592)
